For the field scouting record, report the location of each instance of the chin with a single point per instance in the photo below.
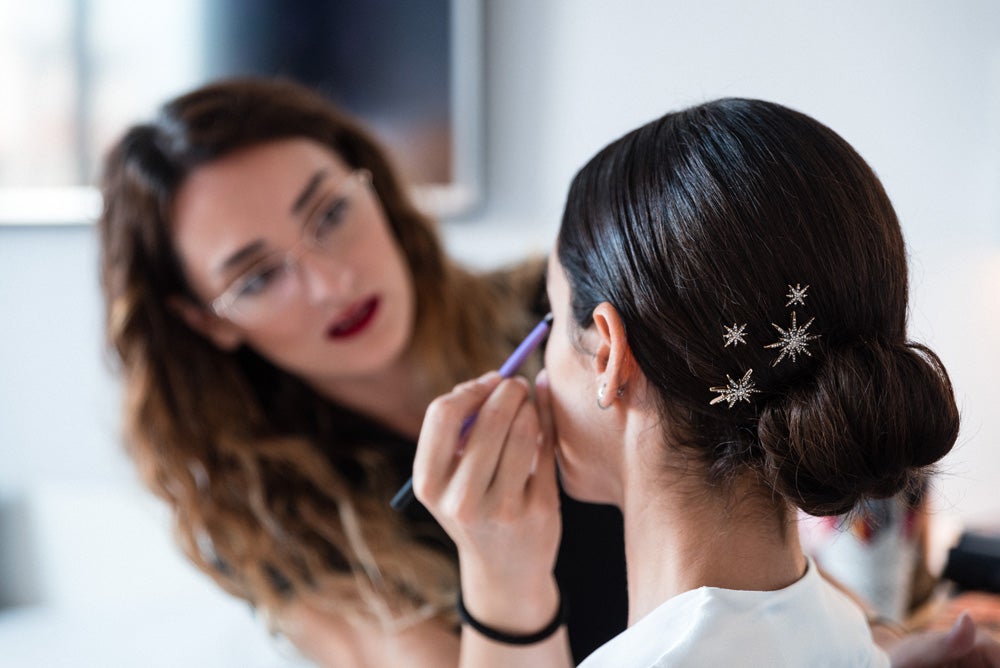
(386, 348)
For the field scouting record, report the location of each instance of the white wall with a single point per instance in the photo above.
(914, 85)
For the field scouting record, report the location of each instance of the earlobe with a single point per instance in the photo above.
(613, 356)
(222, 333)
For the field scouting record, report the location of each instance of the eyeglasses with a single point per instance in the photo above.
(274, 281)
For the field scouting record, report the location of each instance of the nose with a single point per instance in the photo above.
(326, 279)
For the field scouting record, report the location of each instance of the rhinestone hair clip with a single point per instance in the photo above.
(792, 342)
(736, 390)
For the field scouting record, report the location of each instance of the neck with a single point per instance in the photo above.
(682, 533)
(396, 397)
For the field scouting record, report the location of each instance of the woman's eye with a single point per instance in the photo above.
(329, 218)
(260, 279)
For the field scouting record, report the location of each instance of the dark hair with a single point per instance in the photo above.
(702, 219)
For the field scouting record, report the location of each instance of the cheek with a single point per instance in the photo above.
(581, 466)
(568, 386)
(586, 465)
(397, 280)
(384, 261)
(279, 338)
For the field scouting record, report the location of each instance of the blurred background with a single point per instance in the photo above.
(525, 92)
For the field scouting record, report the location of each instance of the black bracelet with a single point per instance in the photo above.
(509, 638)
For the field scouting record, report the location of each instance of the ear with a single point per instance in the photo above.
(222, 333)
(613, 361)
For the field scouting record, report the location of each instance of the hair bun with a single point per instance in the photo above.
(870, 422)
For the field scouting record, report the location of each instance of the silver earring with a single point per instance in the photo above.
(600, 396)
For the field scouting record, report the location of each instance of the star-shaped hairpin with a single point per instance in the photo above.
(734, 334)
(736, 390)
(797, 295)
(793, 340)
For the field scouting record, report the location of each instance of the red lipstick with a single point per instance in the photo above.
(354, 320)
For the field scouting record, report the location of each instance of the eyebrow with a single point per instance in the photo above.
(308, 192)
(242, 254)
(255, 247)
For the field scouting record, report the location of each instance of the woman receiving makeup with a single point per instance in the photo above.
(729, 292)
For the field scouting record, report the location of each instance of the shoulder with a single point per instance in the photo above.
(809, 623)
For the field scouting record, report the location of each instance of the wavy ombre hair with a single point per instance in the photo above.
(276, 493)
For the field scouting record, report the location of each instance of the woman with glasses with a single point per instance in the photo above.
(282, 316)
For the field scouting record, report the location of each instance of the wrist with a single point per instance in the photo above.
(503, 633)
(518, 605)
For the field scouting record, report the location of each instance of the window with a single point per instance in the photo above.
(76, 73)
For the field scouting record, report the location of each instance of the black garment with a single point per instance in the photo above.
(590, 571)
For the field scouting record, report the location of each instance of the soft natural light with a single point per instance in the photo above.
(49, 206)
(71, 83)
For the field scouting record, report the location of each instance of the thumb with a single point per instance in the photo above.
(935, 648)
(960, 638)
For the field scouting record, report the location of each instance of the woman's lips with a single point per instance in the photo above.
(354, 320)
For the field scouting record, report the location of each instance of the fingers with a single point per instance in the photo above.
(488, 499)
(985, 647)
(481, 420)
(505, 427)
(936, 648)
(515, 465)
(960, 638)
(503, 465)
(442, 432)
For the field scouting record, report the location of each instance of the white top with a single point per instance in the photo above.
(809, 623)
